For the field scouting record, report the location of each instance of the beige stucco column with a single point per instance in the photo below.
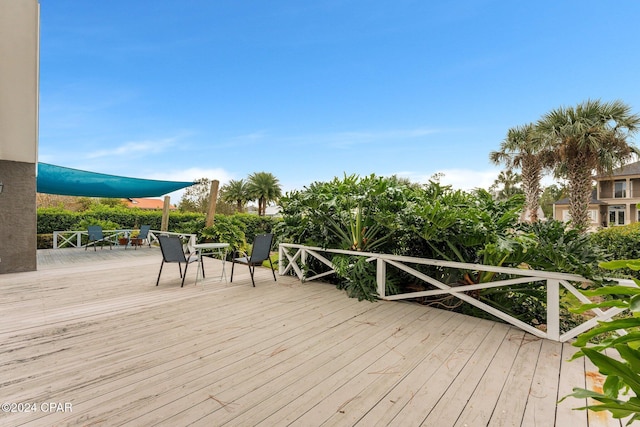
(19, 68)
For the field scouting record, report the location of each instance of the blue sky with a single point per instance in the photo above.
(309, 90)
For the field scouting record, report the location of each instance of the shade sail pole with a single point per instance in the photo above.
(164, 226)
(213, 200)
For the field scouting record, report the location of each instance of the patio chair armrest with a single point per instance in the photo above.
(240, 254)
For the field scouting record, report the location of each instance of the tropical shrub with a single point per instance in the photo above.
(389, 215)
(621, 390)
(254, 224)
(349, 213)
(621, 242)
(58, 219)
(226, 229)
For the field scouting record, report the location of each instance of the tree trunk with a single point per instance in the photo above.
(213, 200)
(580, 183)
(531, 182)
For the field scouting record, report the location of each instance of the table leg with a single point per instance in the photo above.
(199, 261)
(224, 261)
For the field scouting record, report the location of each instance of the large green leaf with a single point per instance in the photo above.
(631, 339)
(603, 327)
(633, 264)
(613, 290)
(618, 408)
(631, 356)
(604, 304)
(609, 366)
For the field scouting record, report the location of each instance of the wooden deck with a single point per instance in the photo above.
(90, 330)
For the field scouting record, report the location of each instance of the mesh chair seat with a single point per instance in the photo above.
(171, 247)
(96, 236)
(260, 252)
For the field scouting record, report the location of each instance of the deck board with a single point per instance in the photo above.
(91, 328)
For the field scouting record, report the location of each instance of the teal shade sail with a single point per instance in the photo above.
(73, 182)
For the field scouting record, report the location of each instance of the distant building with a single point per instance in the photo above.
(273, 211)
(147, 204)
(596, 211)
(615, 201)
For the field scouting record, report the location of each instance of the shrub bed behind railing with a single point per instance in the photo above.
(56, 219)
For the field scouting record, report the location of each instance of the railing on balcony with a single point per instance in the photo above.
(74, 239)
(294, 258)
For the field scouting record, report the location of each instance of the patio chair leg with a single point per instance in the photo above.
(233, 264)
(158, 281)
(202, 265)
(251, 270)
(184, 276)
(272, 270)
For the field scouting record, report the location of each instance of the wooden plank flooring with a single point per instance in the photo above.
(91, 330)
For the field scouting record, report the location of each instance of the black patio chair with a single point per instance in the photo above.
(96, 236)
(260, 252)
(171, 247)
(141, 238)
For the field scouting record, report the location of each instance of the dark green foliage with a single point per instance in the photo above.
(104, 223)
(228, 229)
(622, 376)
(359, 276)
(254, 224)
(389, 215)
(560, 248)
(622, 242)
(56, 219)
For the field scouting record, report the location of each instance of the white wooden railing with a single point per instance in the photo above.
(294, 258)
(74, 238)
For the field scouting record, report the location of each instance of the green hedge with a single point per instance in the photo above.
(56, 219)
(621, 242)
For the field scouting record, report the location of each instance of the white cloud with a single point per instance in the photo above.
(462, 179)
(350, 138)
(465, 179)
(140, 148)
(191, 174)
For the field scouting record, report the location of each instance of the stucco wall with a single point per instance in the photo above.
(19, 44)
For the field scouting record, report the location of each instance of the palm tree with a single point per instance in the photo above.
(592, 137)
(265, 187)
(523, 148)
(510, 181)
(235, 191)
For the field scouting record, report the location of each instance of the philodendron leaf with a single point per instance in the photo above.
(633, 264)
(618, 408)
(634, 304)
(609, 366)
(612, 386)
(613, 290)
(630, 355)
(602, 327)
(587, 307)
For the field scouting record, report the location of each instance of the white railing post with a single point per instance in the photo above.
(381, 277)
(515, 276)
(303, 262)
(79, 240)
(55, 240)
(281, 257)
(553, 309)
